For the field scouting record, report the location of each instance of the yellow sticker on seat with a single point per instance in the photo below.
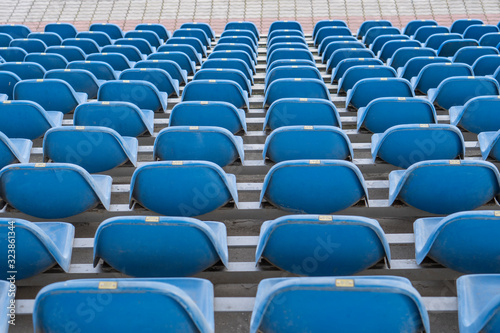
(193, 128)
(80, 128)
(177, 163)
(455, 162)
(424, 125)
(108, 285)
(497, 212)
(308, 127)
(325, 218)
(314, 161)
(152, 219)
(344, 283)
(40, 165)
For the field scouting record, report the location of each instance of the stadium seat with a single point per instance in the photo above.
(11, 54)
(450, 47)
(285, 39)
(25, 119)
(225, 74)
(142, 44)
(423, 33)
(314, 186)
(338, 45)
(433, 74)
(238, 32)
(117, 61)
(488, 142)
(160, 30)
(87, 45)
(327, 23)
(205, 113)
(280, 25)
(42, 92)
(125, 118)
(96, 149)
(182, 188)
(301, 111)
(367, 90)
(436, 40)
(182, 305)
(490, 39)
(459, 26)
(64, 30)
(470, 54)
(392, 46)
(374, 32)
(290, 62)
(479, 114)
(203, 26)
(282, 33)
(110, 29)
(49, 38)
(158, 77)
(14, 150)
(331, 31)
(15, 30)
(445, 186)
(180, 58)
(380, 41)
(368, 24)
(479, 30)
(290, 243)
(29, 45)
(245, 48)
(5, 39)
(230, 54)
(175, 71)
(405, 54)
(39, 246)
(328, 40)
(415, 65)
(290, 72)
(412, 26)
(307, 142)
(372, 69)
(141, 93)
(101, 70)
(185, 48)
(80, 80)
(243, 25)
(296, 87)
(281, 54)
(101, 38)
(456, 91)
(195, 43)
(151, 36)
(198, 143)
(71, 53)
(216, 90)
(346, 304)
(54, 190)
(7, 82)
(465, 242)
(343, 54)
(48, 61)
(386, 112)
(193, 33)
(346, 64)
(486, 65)
(25, 70)
(478, 303)
(404, 145)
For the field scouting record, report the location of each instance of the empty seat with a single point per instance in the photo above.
(478, 303)
(14, 150)
(290, 243)
(347, 304)
(216, 90)
(243, 47)
(125, 118)
(479, 114)
(338, 45)
(470, 54)
(48, 61)
(450, 47)
(367, 90)
(141, 44)
(415, 65)
(307, 142)
(116, 60)
(404, 145)
(383, 113)
(290, 72)
(290, 62)
(110, 29)
(380, 41)
(182, 188)
(423, 33)
(7, 82)
(12, 53)
(486, 65)
(238, 32)
(71, 53)
(15, 30)
(343, 54)
(296, 87)
(25, 119)
(414, 25)
(243, 25)
(160, 29)
(431, 75)
(101, 69)
(490, 39)
(456, 91)
(205, 113)
(87, 45)
(331, 31)
(157, 76)
(280, 25)
(330, 39)
(436, 40)
(230, 54)
(196, 44)
(285, 39)
(203, 143)
(141, 93)
(445, 186)
(368, 24)
(203, 26)
(49, 38)
(465, 241)
(80, 80)
(151, 36)
(314, 186)
(180, 58)
(182, 305)
(29, 45)
(488, 142)
(175, 71)
(301, 111)
(459, 26)
(225, 74)
(64, 30)
(348, 63)
(282, 33)
(42, 92)
(5, 39)
(194, 33)
(289, 54)
(185, 48)
(131, 52)
(374, 32)
(404, 54)
(52, 191)
(392, 46)
(25, 70)
(374, 68)
(96, 149)
(99, 37)
(479, 30)
(327, 23)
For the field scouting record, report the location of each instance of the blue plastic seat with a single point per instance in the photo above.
(383, 113)
(205, 113)
(346, 64)
(289, 54)
(125, 118)
(307, 142)
(290, 72)
(52, 191)
(25, 119)
(331, 31)
(158, 77)
(101, 38)
(151, 36)
(42, 92)
(282, 33)
(456, 91)
(314, 186)
(445, 186)
(216, 90)
(195, 43)
(327, 40)
(360, 71)
(225, 74)
(182, 188)
(101, 69)
(290, 242)
(78, 145)
(230, 54)
(404, 145)
(280, 25)
(141, 93)
(465, 241)
(171, 67)
(203, 26)
(238, 32)
(15, 30)
(185, 48)
(243, 25)
(412, 26)
(193, 33)
(450, 47)
(48, 61)
(368, 24)
(380, 41)
(478, 303)
(296, 87)
(347, 304)
(80, 80)
(156, 246)
(343, 54)
(423, 33)
(436, 40)
(286, 39)
(49, 38)
(170, 304)
(160, 30)
(479, 114)
(327, 23)
(459, 26)
(405, 54)
(431, 75)
(486, 64)
(71, 53)
(488, 142)
(39, 246)
(374, 32)
(180, 58)
(414, 66)
(490, 39)
(29, 45)
(243, 47)
(301, 111)
(338, 45)
(200, 143)
(110, 29)
(11, 54)
(290, 62)
(470, 54)
(25, 70)
(64, 30)
(87, 45)
(5, 39)
(367, 90)
(392, 46)
(142, 44)
(479, 30)
(14, 150)
(116, 60)
(7, 82)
